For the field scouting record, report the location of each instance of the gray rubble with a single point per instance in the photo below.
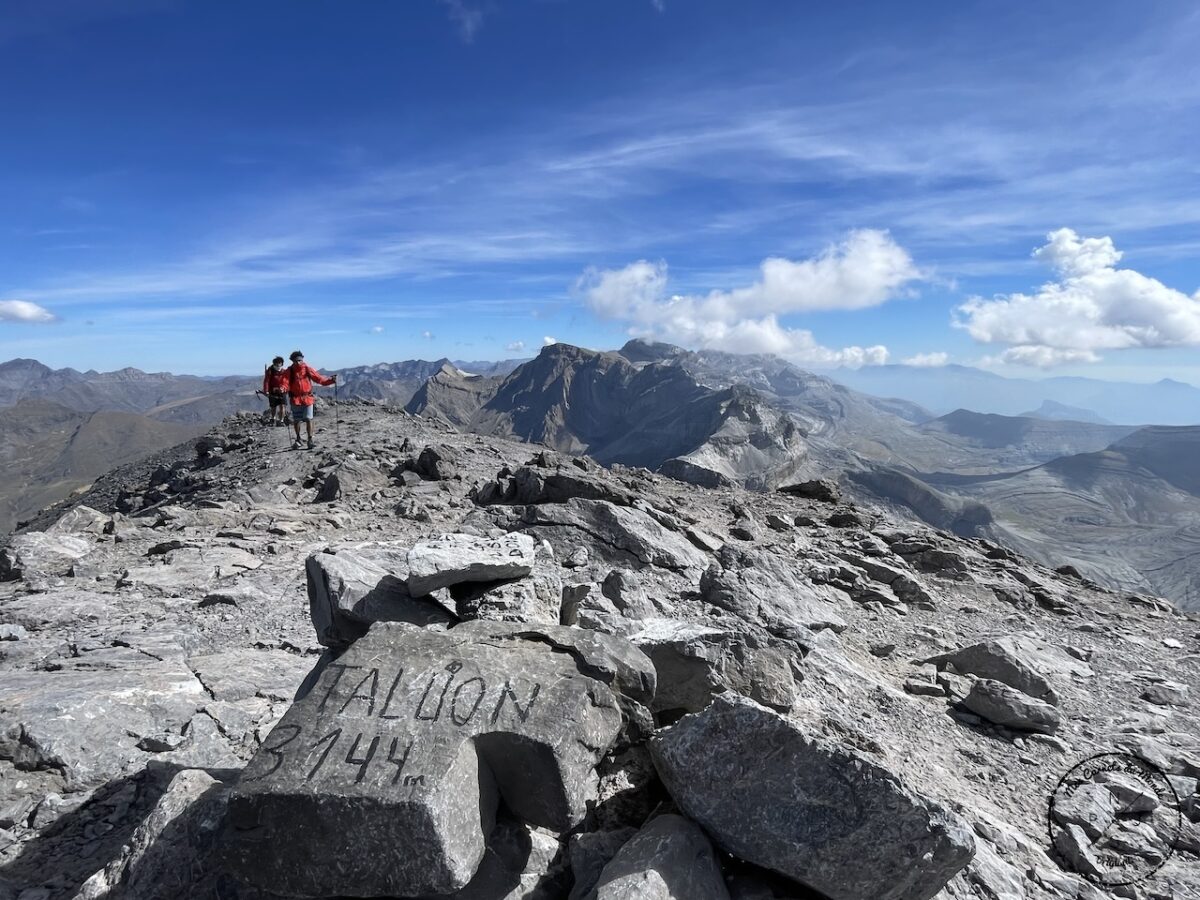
(156, 634)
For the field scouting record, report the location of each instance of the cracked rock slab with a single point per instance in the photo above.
(810, 808)
(385, 778)
(617, 534)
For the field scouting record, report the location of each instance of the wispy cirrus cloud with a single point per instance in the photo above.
(467, 17)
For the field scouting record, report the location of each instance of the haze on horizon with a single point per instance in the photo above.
(195, 188)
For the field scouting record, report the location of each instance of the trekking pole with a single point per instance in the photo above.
(337, 419)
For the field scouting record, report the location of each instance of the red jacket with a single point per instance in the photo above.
(275, 382)
(300, 378)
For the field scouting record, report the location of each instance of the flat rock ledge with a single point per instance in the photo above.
(817, 812)
(384, 779)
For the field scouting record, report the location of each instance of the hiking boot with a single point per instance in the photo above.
(296, 444)
(310, 443)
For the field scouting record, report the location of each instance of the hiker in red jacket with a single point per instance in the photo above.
(300, 381)
(275, 385)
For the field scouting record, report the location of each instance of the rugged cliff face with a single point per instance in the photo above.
(654, 415)
(415, 662)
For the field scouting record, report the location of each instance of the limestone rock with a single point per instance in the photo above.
(819, 812)
(695, 661)
(87, 716)
(536, 599)
(999, 661)
(168, 855)
(80, 520)
(1004, 705)
(625, 591)
(820, 489)
(456, 558)
(669, 859)
(348, 591)
(39, 553)
(385, 778)
(616, 534)
(763, 589)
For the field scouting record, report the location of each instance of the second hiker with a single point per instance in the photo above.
(275, 385)
(300, 381)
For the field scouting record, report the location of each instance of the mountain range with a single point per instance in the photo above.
(1115, 501)
(946, 388)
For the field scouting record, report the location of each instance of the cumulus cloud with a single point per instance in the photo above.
(866, 269)
(547, 341)
(515, 346)
(1092, 305)
(376, 329)
(1044, 357)
(24, 311)
(927, 360)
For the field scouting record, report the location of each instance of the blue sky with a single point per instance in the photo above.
(198, 186)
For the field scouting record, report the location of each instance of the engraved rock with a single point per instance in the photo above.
(451, 559)
(385, 778)
(813, 809)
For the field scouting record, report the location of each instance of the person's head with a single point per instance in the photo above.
(277, 361)
(297, 356)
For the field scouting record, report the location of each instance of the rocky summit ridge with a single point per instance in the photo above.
(418, 662)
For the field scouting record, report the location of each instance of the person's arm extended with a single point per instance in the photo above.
(319, 378)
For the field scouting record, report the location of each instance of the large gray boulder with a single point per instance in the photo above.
(669, 859)
(451, 559)
(536, 599)
(1000, 660)
(820, 812)
(385, 778)
(41, 554)
(348, 591)
(1004, 705)
(616, 534)
(694, 661)
(764, 589)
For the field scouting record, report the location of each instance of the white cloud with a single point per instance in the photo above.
(515, 347)
(927, 360)
(469, 19)
(1043, 357)
(547, 341)
(376, 329)
(24, 311)
(1092, 306)
(428, 335)
(867, 269)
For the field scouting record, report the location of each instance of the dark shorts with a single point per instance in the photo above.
(300, 413)
(276, 400)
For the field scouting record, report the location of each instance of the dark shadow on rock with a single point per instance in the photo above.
(745, 880)
(72, 849)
